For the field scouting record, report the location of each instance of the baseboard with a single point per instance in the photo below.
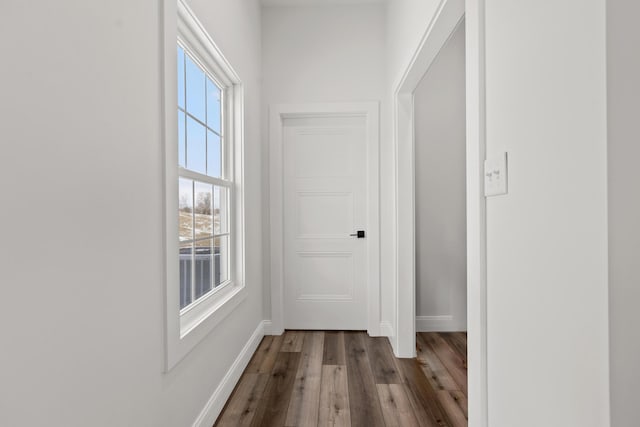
(216, 402)
(268, 327)
(386, 329)
(445, 323)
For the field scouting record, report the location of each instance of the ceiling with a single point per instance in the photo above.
(315, 2)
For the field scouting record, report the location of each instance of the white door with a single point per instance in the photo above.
(325, 201)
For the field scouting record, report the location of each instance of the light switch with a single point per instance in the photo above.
(495, 175)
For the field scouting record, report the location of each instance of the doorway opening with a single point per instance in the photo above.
(440, 226)
(440, 192)
(450, 16)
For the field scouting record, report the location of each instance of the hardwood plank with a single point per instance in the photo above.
(244, 401)
(450, 360)
(433, 369)
(272, 409)
(461, 400)
(265, 356)
(334, 397)
(452, 409)
(461, 338)
(364, 404)
(425, 419)
(457, 344)
(422, 397)
(303, 409)
(432, 377)
(333, 348)
(292, 341)
(396, 407)
(382, 361)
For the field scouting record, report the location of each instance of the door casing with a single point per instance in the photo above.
(277, 114)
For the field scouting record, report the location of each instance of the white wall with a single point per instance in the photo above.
(547, 239)
(407, 21)
(322, 53)
(81, 257)
(440, 188)
(624, 209)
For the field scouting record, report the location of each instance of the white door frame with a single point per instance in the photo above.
(369, 111)
(449, 15)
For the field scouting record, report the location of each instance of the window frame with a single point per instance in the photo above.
(186, 327)
(198, 307)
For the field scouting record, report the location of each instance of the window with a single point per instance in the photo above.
(203, 113)
(204, 184)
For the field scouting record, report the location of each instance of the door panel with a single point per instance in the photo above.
(324, 215)
(329, 276)
(324, 202)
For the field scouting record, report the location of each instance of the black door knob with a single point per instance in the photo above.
(359, 234)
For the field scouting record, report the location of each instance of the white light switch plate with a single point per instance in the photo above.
(495, 175)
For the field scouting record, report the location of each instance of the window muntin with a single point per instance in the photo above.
(204, 183)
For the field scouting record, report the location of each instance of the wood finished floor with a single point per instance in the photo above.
(314, 378)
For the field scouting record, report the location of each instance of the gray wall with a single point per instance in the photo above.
(623, 42)
(441, 263)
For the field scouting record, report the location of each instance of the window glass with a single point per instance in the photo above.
(203, 210)
(196, 147)
(186, 262)
(185, 208)
(213, 106)
(220, 203)
(214, 155)
(195, 89)
(203, 267)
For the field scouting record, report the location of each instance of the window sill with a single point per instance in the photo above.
(182, 338)
(210, 305)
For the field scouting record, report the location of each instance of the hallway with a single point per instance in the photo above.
(308, 378)
(167, 217)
